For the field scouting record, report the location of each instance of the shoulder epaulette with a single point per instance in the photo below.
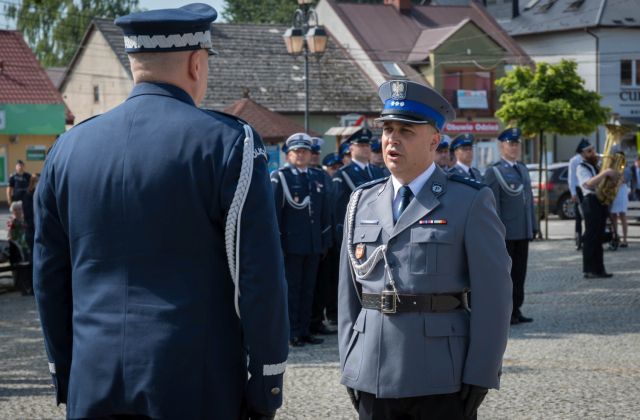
(465, 180)
(224, 114)
(84, 121)
(372, 183)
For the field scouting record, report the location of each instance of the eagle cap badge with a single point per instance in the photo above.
(398, 90)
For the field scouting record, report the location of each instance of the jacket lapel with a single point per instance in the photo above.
(381, 206)
(424, 203)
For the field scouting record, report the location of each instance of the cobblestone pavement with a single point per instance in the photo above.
(580, 359)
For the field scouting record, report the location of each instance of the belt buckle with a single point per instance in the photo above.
(388, 302)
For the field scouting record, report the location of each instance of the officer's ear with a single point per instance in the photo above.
(435, 139)
(195, 65)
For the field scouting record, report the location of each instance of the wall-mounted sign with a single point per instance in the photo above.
(472, 99)
(36, 152)
(476, 127)
(629, 95)
(3, 120)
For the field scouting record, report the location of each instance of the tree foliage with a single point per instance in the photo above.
(264, 11)
(552, 98)
(54, 28)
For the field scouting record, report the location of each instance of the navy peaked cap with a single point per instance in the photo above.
(344, 149)
(510, 134)
(462, 140)
(584, 144)
(167, 30)
(316, 144)
(298, 141)
(444, 142)
(376, 146)
(413, 103)
(331, 159)
(364, 135)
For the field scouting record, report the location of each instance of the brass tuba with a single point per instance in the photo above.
(612, 158)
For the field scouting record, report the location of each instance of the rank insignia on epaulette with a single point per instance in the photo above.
(433, 222)
(360, 251)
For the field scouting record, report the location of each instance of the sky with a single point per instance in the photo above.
(145, 4)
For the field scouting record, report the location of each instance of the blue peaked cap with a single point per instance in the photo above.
(584, 144)
(413, 103)
(510, 134)
(462, 140)
(363, 135)
(376, 146)
(444, 142)
(331, 159)
(344, 149)
(167, 30)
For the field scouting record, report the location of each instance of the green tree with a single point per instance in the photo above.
(552, 99)
(264, 11)
(54, 28)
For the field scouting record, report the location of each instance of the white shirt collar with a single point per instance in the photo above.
(510, 162)
(466, 168)
(360, 164)
(297, 170)
(415, 185)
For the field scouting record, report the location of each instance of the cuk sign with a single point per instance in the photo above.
(472, 127)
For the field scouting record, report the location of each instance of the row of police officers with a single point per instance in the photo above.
(196, 323)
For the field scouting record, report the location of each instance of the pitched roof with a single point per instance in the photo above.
(430, 39)
(22, 78)
(367, 20)
(271, 126)
(563, 15)
(253, 58)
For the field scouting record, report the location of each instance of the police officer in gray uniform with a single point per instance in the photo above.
(462, 147)
(414, 245)
(510, 182)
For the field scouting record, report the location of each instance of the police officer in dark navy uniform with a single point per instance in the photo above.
(442, 152)
(462, 147)
(303, 212)
(510, 182)
(351, 176)
(155, 305)
(18, 183)
(376, 156)
(345, 153)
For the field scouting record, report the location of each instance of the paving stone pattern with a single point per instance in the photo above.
(580, 359)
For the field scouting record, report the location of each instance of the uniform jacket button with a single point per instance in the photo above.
(275, 391)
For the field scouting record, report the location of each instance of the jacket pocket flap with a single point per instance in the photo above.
(359, 325)
(445, 325)
(366, 234)
(433, 235)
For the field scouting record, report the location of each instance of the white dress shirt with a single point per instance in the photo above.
(415, 186)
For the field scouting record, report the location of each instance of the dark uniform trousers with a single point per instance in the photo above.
(578, 212)
(519, 252)
(595, 220)
(429, 407)
(326, 293)
(300, 272)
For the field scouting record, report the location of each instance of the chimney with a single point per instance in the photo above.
(402, 6)
(515, 9)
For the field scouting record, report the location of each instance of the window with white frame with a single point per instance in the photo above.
(630, 73)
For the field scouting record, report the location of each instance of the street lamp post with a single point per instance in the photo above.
(305, 37)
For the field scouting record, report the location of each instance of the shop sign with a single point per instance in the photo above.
(3, 120)
(36, 153)
(472, 99)
(479, 127)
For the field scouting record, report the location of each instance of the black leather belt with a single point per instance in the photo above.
(386, 302)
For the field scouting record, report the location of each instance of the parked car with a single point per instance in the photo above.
(557, 186)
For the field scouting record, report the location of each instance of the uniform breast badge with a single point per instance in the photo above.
(296, 198)
(360, 251)
(436, 188)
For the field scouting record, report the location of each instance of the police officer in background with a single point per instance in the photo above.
(356, 173)
(462, 147)
(18, 183)
(316, 147)
(595, 213)
(303, 211)
(510, 182)
(442, 152)
(331, 163)
(138, 322)
(414, 245)
(376, 156)
(345, 153)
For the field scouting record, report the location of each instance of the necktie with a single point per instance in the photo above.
(405, 198)
(471, 175)
(518, 171)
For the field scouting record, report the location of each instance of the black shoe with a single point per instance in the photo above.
(515, 319)
(604, 275)
(309, 339)
(322, 330)
(296, 342)
(522, 318)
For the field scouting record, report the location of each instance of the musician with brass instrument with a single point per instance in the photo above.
(595, 211)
